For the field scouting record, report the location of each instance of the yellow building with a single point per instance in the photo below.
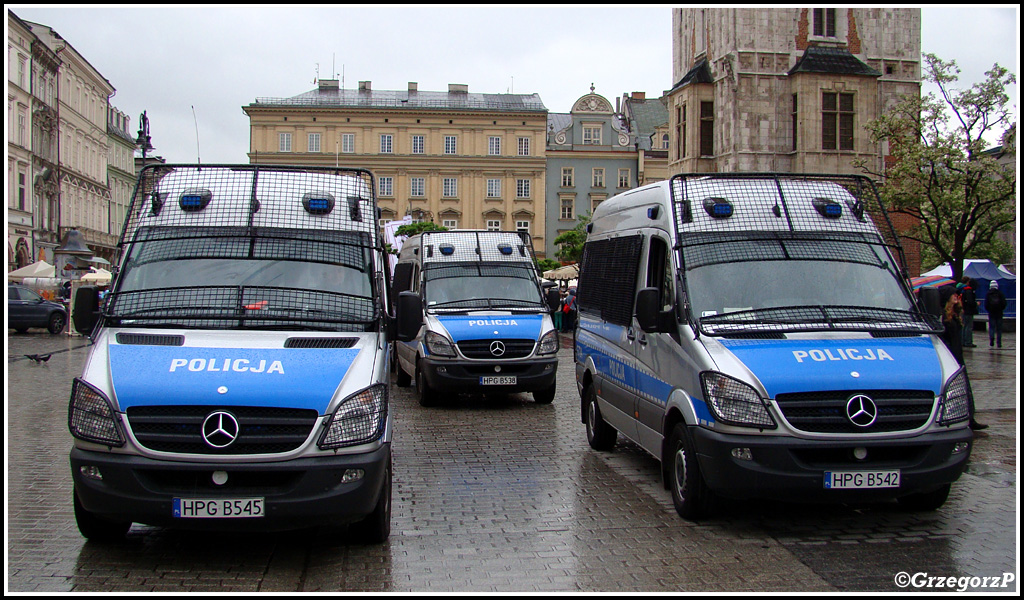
(463, 160)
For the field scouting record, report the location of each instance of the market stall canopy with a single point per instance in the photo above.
(37, 269)
(563, 273)
(100, 276)
(984, 271)
(930, 281)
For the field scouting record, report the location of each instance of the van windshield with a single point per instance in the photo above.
(481, 286)
(263, 279)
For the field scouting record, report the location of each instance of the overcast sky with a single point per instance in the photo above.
(171, 61)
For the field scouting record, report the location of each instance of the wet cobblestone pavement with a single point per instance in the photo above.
(504, 495)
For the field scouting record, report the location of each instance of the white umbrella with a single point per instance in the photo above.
(563, 273)
(100, 276)
(37, 269)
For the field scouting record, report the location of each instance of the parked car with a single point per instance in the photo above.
(26, 308)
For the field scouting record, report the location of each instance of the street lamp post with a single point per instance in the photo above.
(143, 141)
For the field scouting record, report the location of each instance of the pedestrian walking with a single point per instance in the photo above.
(969, 299)
(556, 315)
(569, 318)
(952, 336)
(995, 304)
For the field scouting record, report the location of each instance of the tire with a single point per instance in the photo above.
(545, 396)
(925, 501)
(20, 329)
(428, 397)
(94, 527)
(402, 379)
(690, 494)
(376, 527)
(57, 323)
(600, 435)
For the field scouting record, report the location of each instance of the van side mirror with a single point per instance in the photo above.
(409, 315)
(553, 298)
(649, 314)
(931, 300)
(86, 309)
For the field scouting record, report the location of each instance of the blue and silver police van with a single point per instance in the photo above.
(756, 334)
(473, 316)
(238, 377)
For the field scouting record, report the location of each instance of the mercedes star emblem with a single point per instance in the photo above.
(220, 429)
(861, 410)
(497, 348)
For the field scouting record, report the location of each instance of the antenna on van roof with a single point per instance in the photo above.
(194, 120)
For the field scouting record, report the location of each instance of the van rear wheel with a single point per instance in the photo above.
(690, 494)
(600, 435)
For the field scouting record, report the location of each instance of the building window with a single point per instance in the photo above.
(494, 188)
(522, 188)
(793, 128)
(385, 186)
(449, 187)
(450, 223)
(597, 179)
(592, 134)
(707, 124)
(314, 142)
(524, 146)
(567, 173)
(836, 121)
(623, 178)
(22, 189)
(417, 144)
(566, 213)
(450, 144)
(284, 142)
(494, 145)
(385, 143)
(493, 225)
(664, 141)
(825, 22)
(681, 131)
(417, 186)
(523, 227)
(348, 143)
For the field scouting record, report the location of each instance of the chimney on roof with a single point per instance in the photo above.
(364, 86)
(638, 96)
(328, 84)
(413, 86)
(458, 88)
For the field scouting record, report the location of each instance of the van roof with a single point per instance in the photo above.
(471, 246)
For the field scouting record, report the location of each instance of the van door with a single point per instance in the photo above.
(657, 354)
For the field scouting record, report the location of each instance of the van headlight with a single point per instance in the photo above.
(735, 403)
(438, 345)
(955, 400)
(91, 417)
(548, 343)
(359, 419)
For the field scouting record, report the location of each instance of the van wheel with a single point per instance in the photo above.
(545, 396)
(376, 527)
(925, 501)
(690, 494)
(402, 379)
(97, 528)
(600, 435)
(57, 323)
(428, 397)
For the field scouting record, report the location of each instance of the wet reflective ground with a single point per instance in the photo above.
(504, 495)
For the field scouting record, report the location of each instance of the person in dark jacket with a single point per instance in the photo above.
(995, 304)
(970, 301)
(952, 335)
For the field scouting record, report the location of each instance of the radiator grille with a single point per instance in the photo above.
(261, 430)
(825, 412)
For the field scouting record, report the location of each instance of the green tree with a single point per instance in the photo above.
(940, 174)
(547, 264)
(570, 243)
(413, 228)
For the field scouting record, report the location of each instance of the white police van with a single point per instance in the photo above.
(473, 316)
(238, 378)
(756, 334)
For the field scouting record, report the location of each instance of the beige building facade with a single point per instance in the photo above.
(787, 89)
(463, 160)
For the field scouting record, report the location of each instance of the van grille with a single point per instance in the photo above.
(482, 349)
(825, 412)
(262, 430)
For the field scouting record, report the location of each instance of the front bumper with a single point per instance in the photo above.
(298, 493)
(785, 468)
(464, 376)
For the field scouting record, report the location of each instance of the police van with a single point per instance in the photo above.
(756, 334)
(473, 316)
(238, 377)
